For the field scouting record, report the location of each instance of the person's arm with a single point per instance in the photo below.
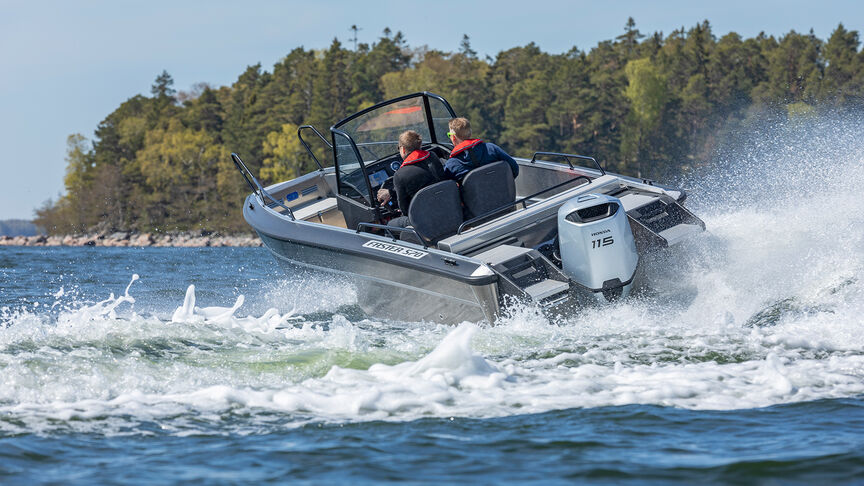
(449, 166)
(498, 153)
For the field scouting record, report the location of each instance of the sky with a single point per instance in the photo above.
(65, 65)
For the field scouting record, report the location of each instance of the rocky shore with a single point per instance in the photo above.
(188, 240)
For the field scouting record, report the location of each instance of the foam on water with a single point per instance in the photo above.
(764, 309)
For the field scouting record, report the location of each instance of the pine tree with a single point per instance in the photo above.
(842, 65)
(162, 87)
(465, 48)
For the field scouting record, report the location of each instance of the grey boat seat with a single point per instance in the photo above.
(504, 225)
(488, 187)
(436, 211)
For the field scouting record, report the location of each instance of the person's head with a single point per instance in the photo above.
(460, 130)
(409, 141)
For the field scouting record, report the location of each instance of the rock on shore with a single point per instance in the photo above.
(190, 240)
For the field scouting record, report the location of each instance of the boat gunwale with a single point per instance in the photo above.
(325, 229)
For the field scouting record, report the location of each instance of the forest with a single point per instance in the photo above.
(651, 106)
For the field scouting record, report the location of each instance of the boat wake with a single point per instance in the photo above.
(765, 309)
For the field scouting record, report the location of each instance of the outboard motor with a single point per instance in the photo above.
(597, 246)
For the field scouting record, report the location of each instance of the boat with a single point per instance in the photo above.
(564, 233)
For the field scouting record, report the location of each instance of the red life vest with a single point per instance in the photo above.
(465, 145)
(414, 157)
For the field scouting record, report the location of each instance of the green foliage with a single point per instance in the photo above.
(282, 150)
(647, 92)
(643, 105)
(162, 88)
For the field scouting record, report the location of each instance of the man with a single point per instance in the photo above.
(469, 153)
(418, 170)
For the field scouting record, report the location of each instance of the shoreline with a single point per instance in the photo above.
(124, 239)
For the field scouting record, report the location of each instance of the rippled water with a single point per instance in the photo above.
(740, 358)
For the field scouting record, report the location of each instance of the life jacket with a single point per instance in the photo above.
(465, 145)
(414, 157)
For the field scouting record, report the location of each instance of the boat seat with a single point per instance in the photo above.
(507, 224)
(488, 187)
(436, 211)
(315, 209)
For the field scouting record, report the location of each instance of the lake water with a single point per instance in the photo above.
(739, 359)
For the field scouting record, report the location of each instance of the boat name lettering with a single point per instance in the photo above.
(396, 249)
(601, 232)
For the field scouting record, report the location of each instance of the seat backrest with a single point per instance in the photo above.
(488, 187)
(436, 211)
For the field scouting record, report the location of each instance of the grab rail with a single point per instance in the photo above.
(257, 188)
(388, 229)
(306, 145)
(523, 202)
(567, 156)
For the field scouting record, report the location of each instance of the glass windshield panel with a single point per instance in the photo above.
(352, 181)
(377, 132)
(440, 121)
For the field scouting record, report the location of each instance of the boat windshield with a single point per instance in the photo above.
(376, 132)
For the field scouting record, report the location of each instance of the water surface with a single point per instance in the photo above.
(740, 358)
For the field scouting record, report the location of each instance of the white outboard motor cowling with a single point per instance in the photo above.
(597, 247)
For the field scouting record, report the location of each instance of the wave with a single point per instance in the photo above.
(765, 309)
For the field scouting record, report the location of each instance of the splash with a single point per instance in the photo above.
(763, 310)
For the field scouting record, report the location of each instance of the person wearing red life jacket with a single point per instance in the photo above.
(469, 153)
(419, 169)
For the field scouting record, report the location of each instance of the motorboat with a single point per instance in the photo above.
(564, 233)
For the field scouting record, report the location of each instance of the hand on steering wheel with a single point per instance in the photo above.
(383, 196)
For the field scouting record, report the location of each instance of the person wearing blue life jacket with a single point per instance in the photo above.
(469, 153)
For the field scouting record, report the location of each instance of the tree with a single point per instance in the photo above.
(630, 38)
(285, 157)
(386, 56)
(162, 87)
(634, 99)
(465, 47)
(331, 86)
(734, 68)
(354, 29)
(567, 108)
(246, 122)
(78, 180)
(526, 128)
(177, 164)
(205, 113)
(842, 64)
(647, 94)
(794, 70)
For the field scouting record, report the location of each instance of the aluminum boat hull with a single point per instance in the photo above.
(439, 286)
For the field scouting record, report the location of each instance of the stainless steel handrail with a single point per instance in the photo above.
(568, 156)
(257, 188)
(306, 145)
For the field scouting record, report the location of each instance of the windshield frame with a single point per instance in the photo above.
(338, 130)
(426, 108)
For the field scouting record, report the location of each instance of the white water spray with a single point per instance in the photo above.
(764, 309)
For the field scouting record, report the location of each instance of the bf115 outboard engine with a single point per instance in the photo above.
(597, 247)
